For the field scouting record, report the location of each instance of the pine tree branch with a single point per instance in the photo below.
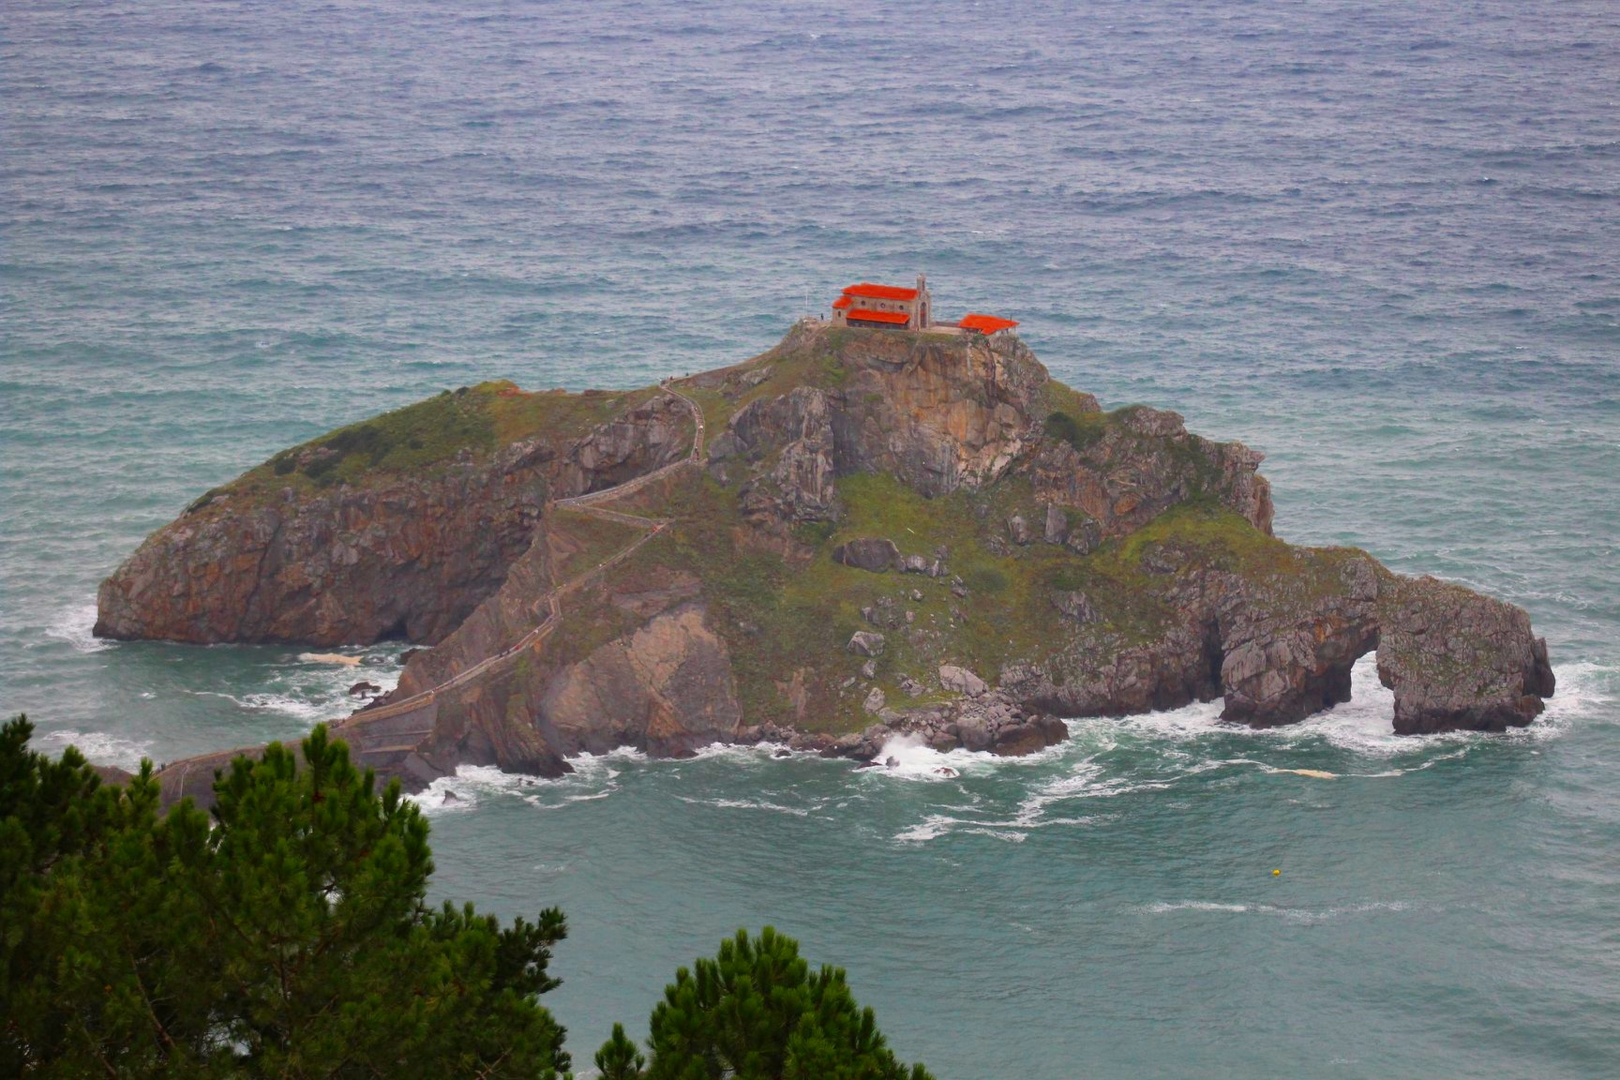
(95, 1049)
(140, 984)
(492, 1065)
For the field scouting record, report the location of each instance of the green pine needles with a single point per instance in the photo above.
(290, 937)
(757, 1012)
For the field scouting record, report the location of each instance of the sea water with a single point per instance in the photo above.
(1379, 241)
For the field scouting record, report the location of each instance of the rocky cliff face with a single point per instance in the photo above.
(1456, 659)
(890, 532)
(408, 559)
(938, 414)
(942, 415)
(405, 554)
(1123, 471)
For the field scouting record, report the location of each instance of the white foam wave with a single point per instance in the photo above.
(1585, 691)
(1364, 725)
(301, 707)
(909, 757)
(98, 747)
(1287, 914)
(288, 705)
(587, 759)
(748, 753)
(472, 784)
(75, 625)
(748, 804)
(931, 827)
(1104, 758)
(1194, 905)
(330, 658)
(1085, 781)
(594, 777)
(315, 688)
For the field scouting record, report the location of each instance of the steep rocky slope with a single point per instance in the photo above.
(392, 528)
(888, 532)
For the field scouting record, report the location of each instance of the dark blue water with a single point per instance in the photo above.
(1379, 241)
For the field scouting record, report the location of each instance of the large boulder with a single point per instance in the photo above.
(866, 643)
(1028, 736)
(1456, 659)
(868, 553)
(987, 723)
(1057, 525)
(960, 680)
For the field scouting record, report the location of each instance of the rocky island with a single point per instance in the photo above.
(859, 533)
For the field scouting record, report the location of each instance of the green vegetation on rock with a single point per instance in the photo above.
(788, 620)
(1081, 432)
(580, 542)
(469, 423)
(410, 438)
(788, 617)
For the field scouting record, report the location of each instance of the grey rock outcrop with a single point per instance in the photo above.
(1277, 653)
(919, 564)
(1142, 462)
(874, 554)
(866, 643)
(1456, 659)
(989, 723)
(936, 415)
(797, 427)
(960, 680)
(1057, 525)
(1074, 604)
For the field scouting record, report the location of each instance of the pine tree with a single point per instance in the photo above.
(619, 1059)
(755, 1012)
(289, 937)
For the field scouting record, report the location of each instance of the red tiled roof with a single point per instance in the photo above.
(986, 324)
(880, 292)
(841, 303)
(898, 318)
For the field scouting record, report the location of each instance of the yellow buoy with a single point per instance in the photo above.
(1276, 873)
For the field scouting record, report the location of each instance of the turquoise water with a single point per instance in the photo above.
(1380, 242)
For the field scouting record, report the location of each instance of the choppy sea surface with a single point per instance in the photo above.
(1379, 241)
